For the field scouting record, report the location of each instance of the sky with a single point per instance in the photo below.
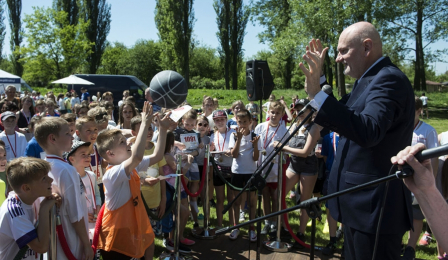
(134, 19)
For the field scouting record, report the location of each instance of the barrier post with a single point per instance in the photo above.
(277, 245)
(53, 241)
(205, 232)
(175, 255)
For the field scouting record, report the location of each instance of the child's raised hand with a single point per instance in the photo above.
(165, 122)
(239, 133)
(147, 113)
(255, 141)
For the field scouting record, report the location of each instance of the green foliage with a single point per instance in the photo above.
(113, 59)
(15, 24)
(174, 20)
(204, 63)
(55, 48)
(97, 13)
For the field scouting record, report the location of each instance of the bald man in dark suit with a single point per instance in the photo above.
(375, 121)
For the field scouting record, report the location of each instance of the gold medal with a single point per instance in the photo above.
(263, 152)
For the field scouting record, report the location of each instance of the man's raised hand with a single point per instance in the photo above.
(315, 57)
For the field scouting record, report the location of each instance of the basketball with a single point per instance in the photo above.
(168, 89)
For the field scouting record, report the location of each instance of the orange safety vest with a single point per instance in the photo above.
(127, 230)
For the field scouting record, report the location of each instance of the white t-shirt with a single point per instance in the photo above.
(89, 181)
(444, 138)
(267, 143)
(424, 100)
(74, 101)
(266, 105)
(425, 134)
(116, 182)
(14, 144)
(61, 104)
(120, 103)
(17, 221)
(244, 163)
(68, 184)
(221, 141)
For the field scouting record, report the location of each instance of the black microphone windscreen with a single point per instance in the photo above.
(327, 89)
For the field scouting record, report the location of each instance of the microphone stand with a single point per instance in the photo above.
(311, 205)
(257, 181)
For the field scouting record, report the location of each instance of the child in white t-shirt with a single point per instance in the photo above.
(244, 147)
(269, 132)
(80, 159)
(28, 177)
(53, 135)
(15, 142)
(126, 231)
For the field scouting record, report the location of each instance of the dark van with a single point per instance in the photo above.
(115, 84)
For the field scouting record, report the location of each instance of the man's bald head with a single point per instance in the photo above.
(359, 48)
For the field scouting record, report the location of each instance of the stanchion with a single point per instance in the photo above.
(277, 245)
(175, 254)
(53, 241)
(205, 232)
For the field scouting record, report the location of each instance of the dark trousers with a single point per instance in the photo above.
(359, 245)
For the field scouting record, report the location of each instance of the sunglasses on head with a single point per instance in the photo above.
(201, 124)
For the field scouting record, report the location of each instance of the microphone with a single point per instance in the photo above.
(431, 153)
(325, 88)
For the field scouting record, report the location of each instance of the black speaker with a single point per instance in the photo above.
(259, 81)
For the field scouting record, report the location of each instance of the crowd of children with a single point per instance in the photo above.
(101, 168)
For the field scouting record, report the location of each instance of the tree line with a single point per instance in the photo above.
(71, 37)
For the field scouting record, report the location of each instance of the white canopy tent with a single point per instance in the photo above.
(73, 80)
(11, 79)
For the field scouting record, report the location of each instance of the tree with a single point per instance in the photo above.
(15, 23)
(112, 60)
(174, 20)
(2, 28)
(425, 21)
(144, 60)
(222, 9)
(53, 51)
(275, 16)
(71, 7)
(97, 12)
(239, 18)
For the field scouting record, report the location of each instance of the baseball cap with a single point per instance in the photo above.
(219, 113)
(76, 144)
(301, 102)
(8, 114)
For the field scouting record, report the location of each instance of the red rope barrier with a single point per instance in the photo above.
(64, 244)
(98, 224)
(285, 216)
(204, 171)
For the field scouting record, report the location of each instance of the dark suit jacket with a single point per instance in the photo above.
(375, 121)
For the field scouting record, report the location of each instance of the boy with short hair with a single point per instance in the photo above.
(33, 149)
(87, 131)
(270, 131)
(20, 213)
(15, 142)
(245, 149)
(188, 139)
(101, 117)
(53, 135)
(153, 194)
(71, 120)
(126, 232)
(79, 158)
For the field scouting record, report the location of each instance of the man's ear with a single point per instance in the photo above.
(109, 153)
(368, 45)
(25, 187)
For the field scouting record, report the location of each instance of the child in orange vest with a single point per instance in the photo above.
(126, 231)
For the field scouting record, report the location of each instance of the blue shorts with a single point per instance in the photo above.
(193, 173)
